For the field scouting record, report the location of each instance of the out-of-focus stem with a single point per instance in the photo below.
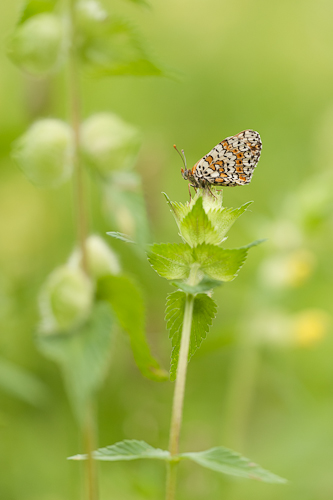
(75, 111)
(178, 398)
(90, 445)
(82, 228)
(240, 395)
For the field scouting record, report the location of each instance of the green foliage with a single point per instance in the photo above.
(205, 285)
(218, 459)
(120, 236)
(219, 263)
(196, 228)
(198, 265)
(83, 356)
(22, 384)
(171, 260)
(204, 311)
(125, 207)
(178, 261)
(229, 462)
(140, 2)
(126, 302)
(111, 47)
(33, 7)
(222, 219)
(204, 219)
(129, 449)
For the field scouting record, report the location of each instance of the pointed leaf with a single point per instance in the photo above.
(204, 310)
(126, 302)
(129, 449)
(219, 263)
(113, 48)
(120, 236)
(196, 228)
(171, 260)
(33, 7)
(222, 219)
(22, 384)
(179, 210)
(229, 462)
(143, 3)
(83, 356)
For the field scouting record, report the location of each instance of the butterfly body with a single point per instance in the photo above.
(229, 163)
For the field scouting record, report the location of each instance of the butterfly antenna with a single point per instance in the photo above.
(182, 155)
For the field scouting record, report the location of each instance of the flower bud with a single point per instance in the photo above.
(45, 152)
(65, 299)
(37, 45)
(101, 259)
(89, 16)
(108, 143)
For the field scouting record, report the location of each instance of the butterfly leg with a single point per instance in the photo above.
(189, 190)
(210, 191)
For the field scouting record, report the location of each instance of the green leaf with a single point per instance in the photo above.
(179, 210)
(196, 228)
(120, 236)
(219, 263)
(222, 219)
(143, 3)
(126, 302)
(125, 207)
(83, 356)
(126, 450)
(22, 384)
(229, 462)
(204, 285)
(115, 49)
(204, 311)
(139, 67)
(33, 7)
(171, 260)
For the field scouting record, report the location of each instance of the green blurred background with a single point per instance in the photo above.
(262, 382)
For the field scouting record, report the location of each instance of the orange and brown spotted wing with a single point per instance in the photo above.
(231, 162)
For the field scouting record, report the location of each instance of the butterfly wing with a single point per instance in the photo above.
(232, 161)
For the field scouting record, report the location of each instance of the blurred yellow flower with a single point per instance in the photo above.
(310, 327)
(288, 271)
(276, 327)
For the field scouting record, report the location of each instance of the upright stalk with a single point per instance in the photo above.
(75, 111)
(90, 445)
(82, 227)
(178, 398)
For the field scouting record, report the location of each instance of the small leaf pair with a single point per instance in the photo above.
(218, 459)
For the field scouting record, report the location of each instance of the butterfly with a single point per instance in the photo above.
(230, 163)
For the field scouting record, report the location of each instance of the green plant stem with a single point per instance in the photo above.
(82, 227)
(240, 395)
(75, 111)
(178, 398)
(90, 445)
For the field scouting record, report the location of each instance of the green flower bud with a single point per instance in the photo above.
(101, 259)
(65, 300)
(37, 45)
(45, 152)
(89, 16)
(108, 143)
